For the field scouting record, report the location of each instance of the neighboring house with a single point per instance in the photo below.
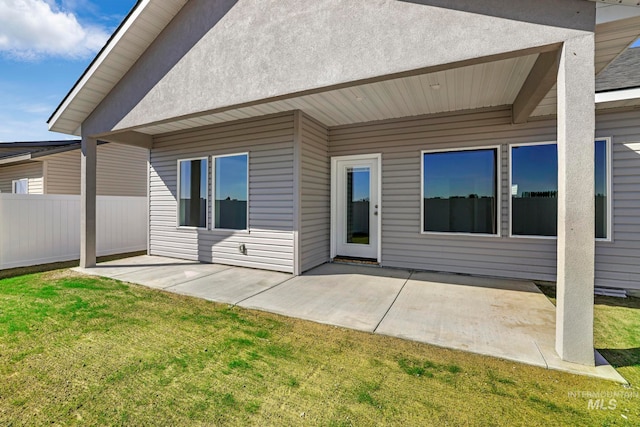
(53, 167)
(417, 134)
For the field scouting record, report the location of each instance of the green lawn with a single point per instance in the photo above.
(76, 350)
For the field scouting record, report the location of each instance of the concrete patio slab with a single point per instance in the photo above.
(165, 276)
(355, 297)
(232, 285)
(488, 316)
(129, 265)
(509, 319)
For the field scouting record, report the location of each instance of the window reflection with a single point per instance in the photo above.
(231, 192)
(534, 190)
(460, 191)
(358, 197)
(192, 193)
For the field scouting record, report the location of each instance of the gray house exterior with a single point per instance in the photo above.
(296, 114)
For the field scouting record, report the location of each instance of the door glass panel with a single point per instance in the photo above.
(358, 196)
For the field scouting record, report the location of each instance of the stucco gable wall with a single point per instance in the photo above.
(219, 53)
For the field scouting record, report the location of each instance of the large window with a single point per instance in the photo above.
(534, 190)
(192, 193)
(231, 191)
(460, 191)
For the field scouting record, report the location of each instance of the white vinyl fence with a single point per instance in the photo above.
(37, 229)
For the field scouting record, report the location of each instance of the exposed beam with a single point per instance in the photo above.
(541, 79)
(129, 138)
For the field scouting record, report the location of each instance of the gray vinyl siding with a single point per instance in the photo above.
(618, 261)
(315, 197)
(121, 171)
(400, 142)
(30, 170)
(269, 241)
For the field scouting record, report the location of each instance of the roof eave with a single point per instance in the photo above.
(15, 159)
(95, 64)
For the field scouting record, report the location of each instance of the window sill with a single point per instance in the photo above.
(533, 236)
(603, 240)
(448, 234)
(228, 231)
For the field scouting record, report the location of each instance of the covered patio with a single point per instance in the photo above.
(475, 75)
(508, 319)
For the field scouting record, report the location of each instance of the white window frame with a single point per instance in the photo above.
(189, 227)
(213, 192)
(609, 213)
(609, 151)
(16, 181)
(498, 150)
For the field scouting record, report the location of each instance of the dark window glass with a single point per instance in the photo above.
(231, 192)
(192, 193)
(534, 190)
(358, 195)
(601, 189)
(460, 191)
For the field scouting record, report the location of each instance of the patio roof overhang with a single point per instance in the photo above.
(484, 82)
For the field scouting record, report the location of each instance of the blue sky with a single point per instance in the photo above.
(459, 173)
(45, 45)
(535, 168)
(360, 184)
(231, 177)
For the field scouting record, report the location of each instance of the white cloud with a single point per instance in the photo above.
(31, 29)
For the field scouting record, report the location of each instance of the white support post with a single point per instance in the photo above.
(576, 205)
(88, 203)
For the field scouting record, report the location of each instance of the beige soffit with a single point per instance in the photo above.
(472, 87)
(139, 29)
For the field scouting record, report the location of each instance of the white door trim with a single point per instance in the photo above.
(334, 204)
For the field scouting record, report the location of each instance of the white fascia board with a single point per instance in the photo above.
(617, 95)
(15, 159)
(99, 61)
